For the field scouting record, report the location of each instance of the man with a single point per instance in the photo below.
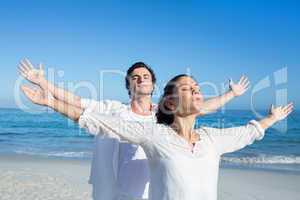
(119, 170)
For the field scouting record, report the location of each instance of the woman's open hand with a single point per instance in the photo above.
(281, 112)
(36, 95)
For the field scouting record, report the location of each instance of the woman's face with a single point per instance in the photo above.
(187, 98)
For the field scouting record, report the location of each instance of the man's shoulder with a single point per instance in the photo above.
(106, 106)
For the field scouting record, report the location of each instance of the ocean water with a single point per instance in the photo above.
(52, 135)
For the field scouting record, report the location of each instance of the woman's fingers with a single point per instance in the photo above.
(31, 92)
(288, 108)
(289, 112)
(27, 91)
(282, 111)
(284, 108)
(289, 105)
(272, 107)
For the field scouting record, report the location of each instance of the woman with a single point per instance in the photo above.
(183, 161)
(114, 162)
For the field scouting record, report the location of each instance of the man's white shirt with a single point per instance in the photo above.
(119, 169)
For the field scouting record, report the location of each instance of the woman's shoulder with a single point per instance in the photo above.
(205, 129)
(207, 132)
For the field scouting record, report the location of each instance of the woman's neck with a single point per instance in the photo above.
(184, 126)
(141, 105)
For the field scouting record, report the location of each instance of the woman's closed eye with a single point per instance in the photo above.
(193, 90)
(186, 89)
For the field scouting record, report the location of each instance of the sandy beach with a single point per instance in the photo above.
(244, 184)
(31, 178)
(28, 178)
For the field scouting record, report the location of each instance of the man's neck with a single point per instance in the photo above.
(141, 105)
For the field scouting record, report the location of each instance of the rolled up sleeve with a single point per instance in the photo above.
(132, 131)
(228, 140)
(104, 106)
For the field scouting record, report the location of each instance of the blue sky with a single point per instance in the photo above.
(214, 39)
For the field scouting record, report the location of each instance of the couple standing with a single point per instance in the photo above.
(182, 162)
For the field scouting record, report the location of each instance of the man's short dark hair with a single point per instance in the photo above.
(135, 66)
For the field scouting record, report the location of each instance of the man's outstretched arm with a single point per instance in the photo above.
(37, 76)
(236, 89)
(40, 97)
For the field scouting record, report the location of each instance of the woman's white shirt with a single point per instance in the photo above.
(177, 170)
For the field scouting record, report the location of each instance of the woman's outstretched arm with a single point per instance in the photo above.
(94, 122)
(276, 114)
(137, 132)
(227, 140)
(37, 76)
(41, 97)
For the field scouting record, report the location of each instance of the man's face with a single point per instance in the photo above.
(140, 82)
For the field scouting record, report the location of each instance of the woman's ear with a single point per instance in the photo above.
(170, 104)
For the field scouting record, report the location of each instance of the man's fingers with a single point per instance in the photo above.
(230, 81)
(41, 66)
(24, 65)
(245, 81)
(247, 85)
(247, 88)
(23, 74)
(28, 63)
(242, 79)
(21, 69)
